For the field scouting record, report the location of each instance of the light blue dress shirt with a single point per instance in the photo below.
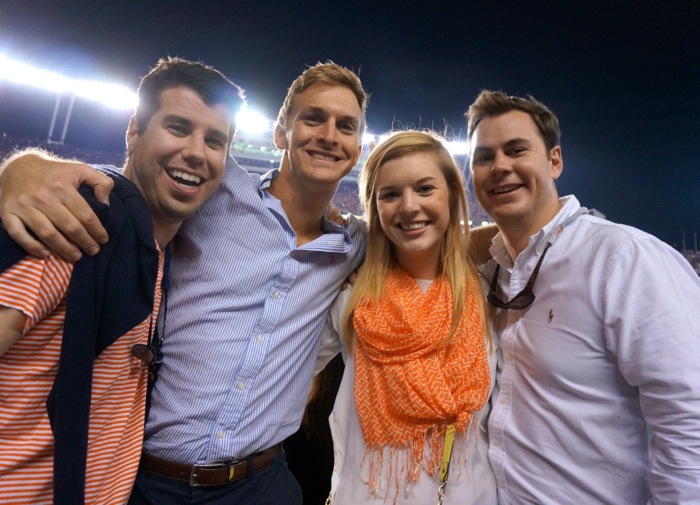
(245, 312)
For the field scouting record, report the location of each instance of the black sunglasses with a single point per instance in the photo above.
(523, 299)
(151, 356)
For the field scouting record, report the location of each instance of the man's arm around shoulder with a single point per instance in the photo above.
(38, 192)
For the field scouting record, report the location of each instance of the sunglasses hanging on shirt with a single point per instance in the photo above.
(151, 354)
(524, 299)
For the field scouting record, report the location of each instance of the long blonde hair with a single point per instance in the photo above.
(455, 263)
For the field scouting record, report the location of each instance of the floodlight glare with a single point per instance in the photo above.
(25, 74)
(120, 97)
(111, 95)
(252, 122)
(457, 148)
(369, 138)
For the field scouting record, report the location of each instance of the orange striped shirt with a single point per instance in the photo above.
(37, 288)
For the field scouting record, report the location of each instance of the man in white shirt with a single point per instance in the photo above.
(598, 393)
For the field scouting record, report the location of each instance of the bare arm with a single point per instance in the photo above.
(11, 327)
(38, 192)
(481, 238)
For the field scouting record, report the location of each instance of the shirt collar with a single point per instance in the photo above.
(335, 238)
(570, 207)
(266, 179)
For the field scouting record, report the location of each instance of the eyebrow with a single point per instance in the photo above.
(177, 119)
(352, 120)
(510, 143)
(320, 110)
(186, 122)
(429, 178)
(225, 136)
(481, 149)
(516, 141)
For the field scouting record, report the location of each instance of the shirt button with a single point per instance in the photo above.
(509, 356)
(221, 434)
(259, 338)
(503, 399)
(501, 484)
(497, 442)
(241, 385)
(276, 295)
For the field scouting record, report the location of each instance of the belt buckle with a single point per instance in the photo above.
(213, 466)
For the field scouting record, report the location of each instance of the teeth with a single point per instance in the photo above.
(413, 226)
(185, 178)
(506, 189)
(324, 157)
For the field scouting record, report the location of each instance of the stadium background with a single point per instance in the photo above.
(309, 451)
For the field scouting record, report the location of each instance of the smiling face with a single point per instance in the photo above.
(413, 205)
(322, 136)
(514, 174)
(178, 160)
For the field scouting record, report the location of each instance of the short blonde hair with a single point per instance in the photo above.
(328, 73)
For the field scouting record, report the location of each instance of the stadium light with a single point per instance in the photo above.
(111, 95)
(369, 138)
(252, 122)
(120, 97)
(457, 148)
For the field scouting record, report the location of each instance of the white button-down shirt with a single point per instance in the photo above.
(598, 393)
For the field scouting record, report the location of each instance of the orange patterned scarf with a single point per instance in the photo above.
(408, 385)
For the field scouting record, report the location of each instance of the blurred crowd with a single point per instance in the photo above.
(693, 258)
(10, 144)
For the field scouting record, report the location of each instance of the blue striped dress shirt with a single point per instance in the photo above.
(245, 311)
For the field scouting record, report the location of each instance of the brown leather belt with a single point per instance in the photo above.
(215, 474)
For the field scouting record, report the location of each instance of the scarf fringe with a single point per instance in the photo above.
(396, 472)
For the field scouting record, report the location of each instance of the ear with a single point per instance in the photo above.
(556, 161)
(280, 137)
(132, 134)
(357, 155)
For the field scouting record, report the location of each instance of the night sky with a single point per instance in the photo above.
(623, 77)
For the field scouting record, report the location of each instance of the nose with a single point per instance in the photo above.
(501, 163)
(194, 149)
(409, 203)
(328, 133)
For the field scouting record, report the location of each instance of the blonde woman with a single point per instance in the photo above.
(418, 358)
